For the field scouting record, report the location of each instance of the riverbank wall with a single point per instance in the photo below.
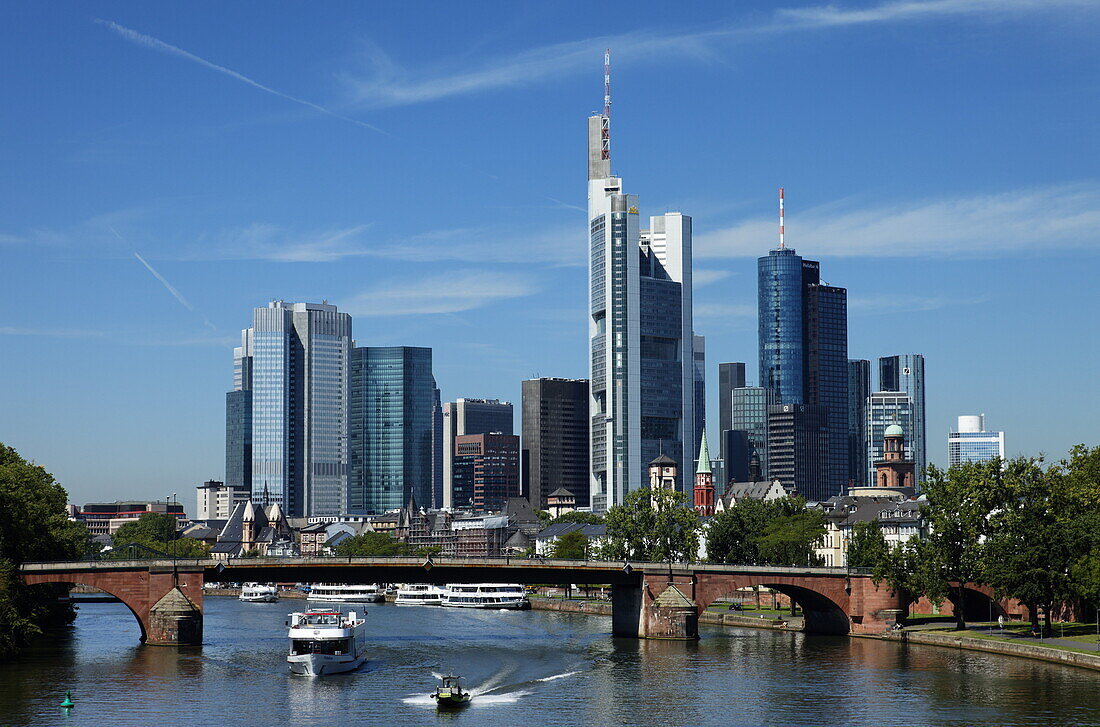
(603, 608)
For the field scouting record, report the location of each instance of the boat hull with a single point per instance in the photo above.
(451, 701)
(317, 665)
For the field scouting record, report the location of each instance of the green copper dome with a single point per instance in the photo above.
(894, 431)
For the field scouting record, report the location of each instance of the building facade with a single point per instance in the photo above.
(730, 376)
(748, 435)
(885, 408)
(300, 355)
(486, 471)
(555, 439)
(699, 403)
(216, 500)
(392, 396)
(797, 435)
(641, 342)
(905, 373)
(972, 443)
(469, 416)
(859, 389)
(803, 343)
(238, 417)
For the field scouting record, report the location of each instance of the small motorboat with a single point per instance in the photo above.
(450, 693)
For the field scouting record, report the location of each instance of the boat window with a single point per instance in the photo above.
(326, 646)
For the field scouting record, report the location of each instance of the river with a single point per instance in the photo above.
(527, 668)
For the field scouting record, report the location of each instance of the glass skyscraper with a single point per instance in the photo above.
(299, 406)
(640, 333)
(859, 389)
(803, 339)
(392, 399)
(906, 373)
(972, 443)
(238, 418)
(749, 431)
(883, 409)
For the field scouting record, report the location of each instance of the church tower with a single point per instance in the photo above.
(894, 470)
(704, 481)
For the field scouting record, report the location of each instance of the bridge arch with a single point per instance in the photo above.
(824, 604)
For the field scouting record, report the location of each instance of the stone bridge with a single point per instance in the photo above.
(649, 600)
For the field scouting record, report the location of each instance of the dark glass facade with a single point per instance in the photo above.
(238, 439)
(797, 435)
(859, 389)
(662, 383)
(749, 424)
(825, 316)
(555, 439)
(486, 471)
(392, 395)
(780, 285)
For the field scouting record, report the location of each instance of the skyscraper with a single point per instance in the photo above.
(730, 376)
(437, 448)
(469, 416)
(748, 433)
(486, 471)
(906, 373)
(299, 406)
(640, 329)
(803, 331)
(392, 394)
(797, 434)
(555, 439)
(972, 443)
(883, 409)
(238, 418)
(859, 388)
(700, 391)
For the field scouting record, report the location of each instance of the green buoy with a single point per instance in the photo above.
(68, 703)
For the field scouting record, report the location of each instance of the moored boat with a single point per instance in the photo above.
(450, 693)
(486, 595)
(346, 593)
(325, 642)
(259, 593)
(419, 594)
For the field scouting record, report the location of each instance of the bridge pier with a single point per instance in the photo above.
(659, 608)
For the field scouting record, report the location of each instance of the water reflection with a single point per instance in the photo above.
(525, 668)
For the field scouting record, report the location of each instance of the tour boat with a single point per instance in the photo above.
(419, 594)
(449, 693)
(485, 595)
(259, 593)
(325, 642)
(346, 593)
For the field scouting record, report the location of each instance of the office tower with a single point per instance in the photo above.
(299, 406)
(730, 376)
(972, 443)
(437, 448)
(238, 417)
(906, 373)
(803, 330)
(883, 409)
(640, 330)
(748, 432)
(699, 399)
(797, 434)
(390, 405)
(859, 388)
(217, 500)
(555, 439)
(469, 416)
(485, 471)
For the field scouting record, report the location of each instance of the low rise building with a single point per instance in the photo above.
(105, 518)
(545, 540)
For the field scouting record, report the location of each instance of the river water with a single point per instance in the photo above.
(526, 668)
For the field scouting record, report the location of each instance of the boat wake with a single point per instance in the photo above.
(557, 676)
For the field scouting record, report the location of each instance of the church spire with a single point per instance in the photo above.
(704, 456)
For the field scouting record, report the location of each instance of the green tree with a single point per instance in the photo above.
(152, 527)
(791, 539)
(571, 546)
(652, 525)
(371, 544)
(33, 526)
(1081, 514)
(732, 534)
(960, 502)
(902, 568)
(867, 546)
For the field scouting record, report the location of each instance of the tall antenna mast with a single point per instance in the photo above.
(605, 152)
(782, 245)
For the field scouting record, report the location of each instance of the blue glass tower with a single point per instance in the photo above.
(780, 284)
(392, 398)
(905, 373)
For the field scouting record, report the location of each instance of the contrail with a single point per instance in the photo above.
(166, 284)
(159, 45)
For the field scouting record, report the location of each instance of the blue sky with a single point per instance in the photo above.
(167, 168)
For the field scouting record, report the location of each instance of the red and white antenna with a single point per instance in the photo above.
(781, 243)
(605, 152)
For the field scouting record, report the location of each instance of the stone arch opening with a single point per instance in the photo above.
(822, 614)
(977, 605)
(93, 583)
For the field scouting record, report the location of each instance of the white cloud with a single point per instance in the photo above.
(1065, 217)
(446, 293)
(387, 84)
(703, 277)
(706, 311)
(906, 303)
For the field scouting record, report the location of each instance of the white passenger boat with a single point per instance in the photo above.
(419, 594)
(325, 642)
(259, 593)
(486, 595)
(346, 593)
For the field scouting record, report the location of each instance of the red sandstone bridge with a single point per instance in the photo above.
(649, 600)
